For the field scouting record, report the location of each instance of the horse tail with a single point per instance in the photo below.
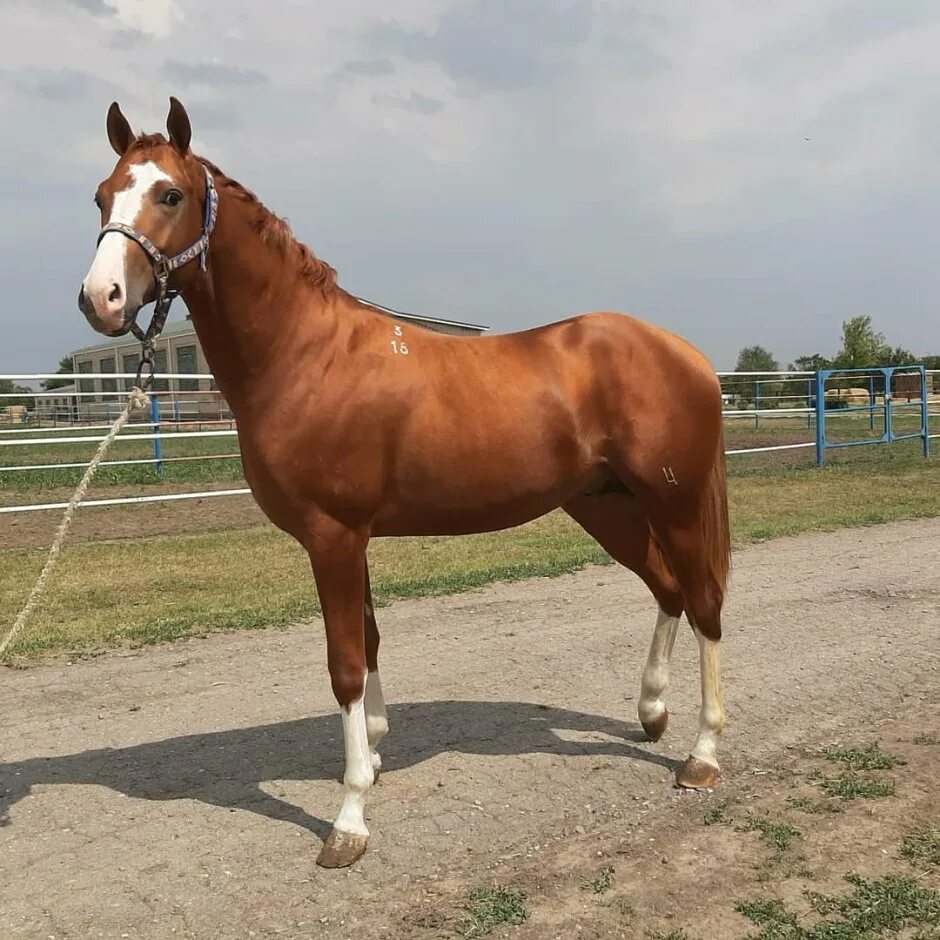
(716, 528)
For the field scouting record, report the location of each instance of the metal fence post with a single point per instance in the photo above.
(820, 419)
(924, 411)
(157, 444)
(871, 403)
(809, 396)
(757, 404)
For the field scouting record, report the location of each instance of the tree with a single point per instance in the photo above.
(754, 359)
(8, 388)
(899, 356)
(65, 366)
(811, 363)
(861, 345)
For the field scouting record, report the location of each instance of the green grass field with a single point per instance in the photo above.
(110, 593)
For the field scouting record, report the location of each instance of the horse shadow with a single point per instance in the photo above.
(227, 768)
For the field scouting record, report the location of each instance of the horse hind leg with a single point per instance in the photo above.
(652, 710)
(703, 595)
(619, 525)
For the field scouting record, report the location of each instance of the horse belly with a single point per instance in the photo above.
(483, 481)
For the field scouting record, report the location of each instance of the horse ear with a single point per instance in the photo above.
(120, 134)
(178, 126)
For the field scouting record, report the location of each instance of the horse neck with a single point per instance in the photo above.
(254, 307)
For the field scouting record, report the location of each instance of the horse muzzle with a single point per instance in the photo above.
(117, 318)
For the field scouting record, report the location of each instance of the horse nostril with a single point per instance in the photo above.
(115, 295)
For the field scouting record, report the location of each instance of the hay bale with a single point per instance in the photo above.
(848, 396)
(15, 413)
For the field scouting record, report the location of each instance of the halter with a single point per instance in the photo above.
(163, 267)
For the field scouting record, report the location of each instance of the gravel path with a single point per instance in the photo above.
(183, 790)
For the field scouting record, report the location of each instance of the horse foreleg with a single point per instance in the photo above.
(376, 716)
(338, 557)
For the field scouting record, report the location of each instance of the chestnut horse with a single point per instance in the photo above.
(352, 425)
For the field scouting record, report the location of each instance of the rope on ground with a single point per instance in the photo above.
(136, 399)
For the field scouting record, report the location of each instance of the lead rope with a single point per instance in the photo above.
(136, 399)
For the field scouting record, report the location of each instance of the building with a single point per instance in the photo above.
(177, 351)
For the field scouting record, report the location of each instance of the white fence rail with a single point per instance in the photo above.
(759, 396)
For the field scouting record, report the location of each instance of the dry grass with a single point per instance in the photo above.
(148, 590)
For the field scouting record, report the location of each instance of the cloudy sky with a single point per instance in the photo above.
(739, 172)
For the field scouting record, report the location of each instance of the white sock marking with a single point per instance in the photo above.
(359, 773)
(711, 717)
(656, 672)
(376, 717)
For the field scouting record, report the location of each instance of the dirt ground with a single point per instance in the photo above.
(36, 529)
(183, 791)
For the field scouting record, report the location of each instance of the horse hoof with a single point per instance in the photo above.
(341, 849)
(695, 774)
(376, 766)
(655, 728)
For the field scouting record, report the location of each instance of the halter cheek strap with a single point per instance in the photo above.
(164, 266)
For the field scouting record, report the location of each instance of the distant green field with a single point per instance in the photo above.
(739, 433)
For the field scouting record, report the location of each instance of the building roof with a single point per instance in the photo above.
(422, 319)
(184, 327)
(177, 328)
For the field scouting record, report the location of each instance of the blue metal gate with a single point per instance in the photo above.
(822, 443)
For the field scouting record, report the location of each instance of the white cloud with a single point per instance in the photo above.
(156, 18)
(596, 150)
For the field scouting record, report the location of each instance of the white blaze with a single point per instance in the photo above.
(108, 267)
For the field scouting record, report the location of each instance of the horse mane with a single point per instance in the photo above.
(271, 229)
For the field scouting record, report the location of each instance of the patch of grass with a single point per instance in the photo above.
(806, 805)
(488, 908)
(867, 758)
(772, 915)
(222, 468)
(715, 815)
(848, 785)
(878, 907)
(672, 935)
(602, 882)
(777, 835)
(922, 847)
(142, 591)
(891, 903)
(925, 739)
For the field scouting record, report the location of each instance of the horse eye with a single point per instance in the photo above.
(172, 197)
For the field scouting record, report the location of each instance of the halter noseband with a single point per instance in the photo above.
(163, 267)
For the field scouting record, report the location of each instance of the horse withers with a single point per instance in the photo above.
(352, 425)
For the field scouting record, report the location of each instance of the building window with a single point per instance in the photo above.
(130, 364)
(159, 365)
(85, 385)
(106, 367)
(186, 362)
